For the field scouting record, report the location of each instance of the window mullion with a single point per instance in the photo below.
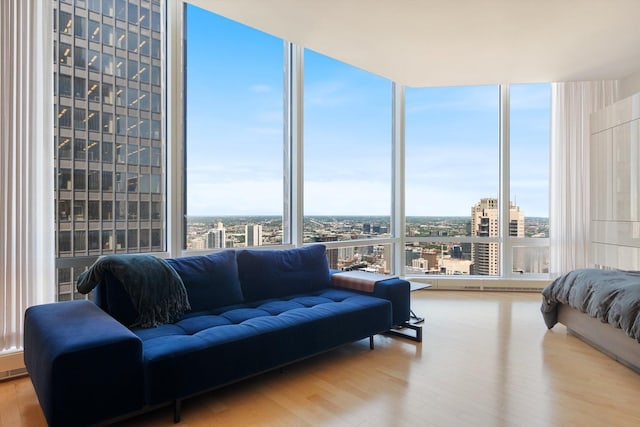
(294, 145)
(176, 178)
(398, 219)
(506, 256)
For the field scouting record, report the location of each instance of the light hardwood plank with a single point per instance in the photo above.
(487, 359)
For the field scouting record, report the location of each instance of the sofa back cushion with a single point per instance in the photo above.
(210, 280)
(271, 274)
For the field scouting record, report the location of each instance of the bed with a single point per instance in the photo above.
(602, 307)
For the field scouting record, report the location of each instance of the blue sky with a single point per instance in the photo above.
(234, 134)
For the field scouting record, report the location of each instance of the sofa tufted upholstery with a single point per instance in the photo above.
(251, 311)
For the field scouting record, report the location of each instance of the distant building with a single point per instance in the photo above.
(198, 243)
(455, 266)
(216, 237)
(484, 223)
(346, 254)
(456, 252)
(420, 263)
(253, 234)
(411, 254)
(431, 255)
(332, 254)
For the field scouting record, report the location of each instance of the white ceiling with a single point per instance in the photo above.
(457, 42)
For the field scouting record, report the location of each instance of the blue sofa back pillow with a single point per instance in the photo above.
(271, 274)
(210, 280)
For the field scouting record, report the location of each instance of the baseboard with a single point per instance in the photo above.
(482, 284)
(11, 365)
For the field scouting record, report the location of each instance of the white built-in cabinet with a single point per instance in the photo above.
(615, 185)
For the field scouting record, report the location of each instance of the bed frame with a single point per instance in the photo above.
(611, 341)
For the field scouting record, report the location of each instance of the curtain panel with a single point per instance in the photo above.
(569, 218)
(27, 270)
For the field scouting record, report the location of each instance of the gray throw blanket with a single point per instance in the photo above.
(155, 289)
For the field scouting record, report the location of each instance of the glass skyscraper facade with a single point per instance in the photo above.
(109, 132)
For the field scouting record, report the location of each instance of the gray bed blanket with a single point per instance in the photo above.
(612, 296)
(155, 289)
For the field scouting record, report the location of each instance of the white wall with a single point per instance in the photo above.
(615, 185)
(629, 85)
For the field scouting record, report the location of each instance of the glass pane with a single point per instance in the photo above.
(347, 163)
(94, 31)
(234, 117)
(530, 260)
(93, 92)
(452, 171)
(529, 142)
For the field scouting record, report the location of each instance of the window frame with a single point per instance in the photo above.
(173, 47)
(293, 64)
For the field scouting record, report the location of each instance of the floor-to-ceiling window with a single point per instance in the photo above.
(111, 154)
(347, 162)
(235, 171)
(529, 124)
(109, 67)
(458, 169)
(475, 201)
(452, 180)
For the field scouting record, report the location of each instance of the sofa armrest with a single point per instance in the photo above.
(85, 366)
(393, 289)
(398, 292)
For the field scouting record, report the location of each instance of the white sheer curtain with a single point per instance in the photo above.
(571, 105)
(27, 272)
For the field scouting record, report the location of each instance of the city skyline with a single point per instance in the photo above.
(449, 257)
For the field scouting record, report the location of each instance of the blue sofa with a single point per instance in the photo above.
(250, 311)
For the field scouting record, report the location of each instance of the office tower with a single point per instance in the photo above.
(108, 135)
(253, 235)
(216, 237)
(484, 223)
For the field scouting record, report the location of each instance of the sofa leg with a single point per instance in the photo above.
(371, 342)
(176, 411)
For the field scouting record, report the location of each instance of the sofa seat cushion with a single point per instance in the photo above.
(220, 346)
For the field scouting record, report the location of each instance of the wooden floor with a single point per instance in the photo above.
(487, 359)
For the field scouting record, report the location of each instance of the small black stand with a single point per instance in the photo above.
(414, 322)
(415, 319)
(398, 332)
